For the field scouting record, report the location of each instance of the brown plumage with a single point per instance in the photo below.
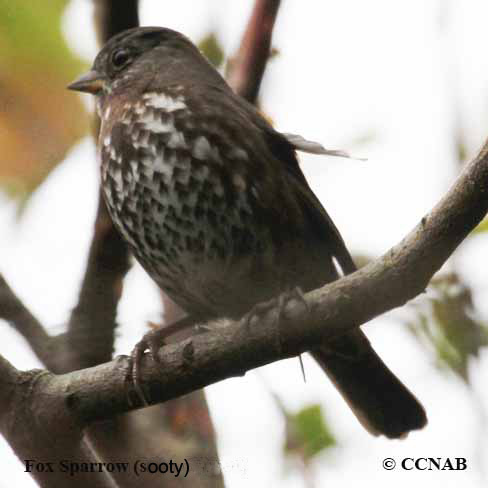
(213, 204)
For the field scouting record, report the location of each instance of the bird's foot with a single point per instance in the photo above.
(278, 305)
(152, 342)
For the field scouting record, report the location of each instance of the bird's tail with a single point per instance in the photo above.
(380, 401)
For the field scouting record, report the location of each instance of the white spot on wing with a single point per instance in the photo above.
(162, 166)
(135, 172)
(184, 177)
(139, 109)
(238, 153)
(165, 102)
(200, 174)
(148, 171)
(177, 140)
(156, 125)
(201, 148)
(216, 185)
(219, 190)
(239, 182)
(117, 177)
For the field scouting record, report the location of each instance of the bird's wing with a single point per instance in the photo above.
(302, 144)
(254, 134)
(282, 147)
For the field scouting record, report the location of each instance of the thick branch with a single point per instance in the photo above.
(8, 378)
(232, 348)
(31, 416)
(247, 67)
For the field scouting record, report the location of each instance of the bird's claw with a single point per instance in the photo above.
(278, 303)
(152, 341)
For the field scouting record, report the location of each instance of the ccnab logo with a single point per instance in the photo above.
(435, 464)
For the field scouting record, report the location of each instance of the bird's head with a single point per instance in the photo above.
(135, 56)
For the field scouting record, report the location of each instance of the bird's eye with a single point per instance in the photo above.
(120, 58)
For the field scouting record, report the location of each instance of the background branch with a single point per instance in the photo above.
(92, 324)
(15, 312)
(246, 69)
(114, 16)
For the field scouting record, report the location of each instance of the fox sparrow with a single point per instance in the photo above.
(213, 204)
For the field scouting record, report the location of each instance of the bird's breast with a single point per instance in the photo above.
(169, 192)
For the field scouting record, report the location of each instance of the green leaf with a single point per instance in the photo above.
(480, 228)
(453, 331)
(211, 48)
(308, 433)
(461, 150)
(39, 119)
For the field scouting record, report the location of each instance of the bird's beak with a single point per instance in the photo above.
(91, 82)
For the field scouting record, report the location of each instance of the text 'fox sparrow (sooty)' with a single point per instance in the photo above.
(213, 204)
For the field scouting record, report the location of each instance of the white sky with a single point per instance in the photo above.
(346, 69)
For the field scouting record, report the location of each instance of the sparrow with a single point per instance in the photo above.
(213, 204)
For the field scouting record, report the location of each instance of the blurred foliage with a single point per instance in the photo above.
(461, 150)
(39, 119)
(449, 325)
(481, 227)
(307, 433)
(212, 49)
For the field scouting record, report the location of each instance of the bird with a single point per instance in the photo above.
(213, 204)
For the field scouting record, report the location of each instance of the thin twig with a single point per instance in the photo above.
(16, 313)
(114, 16)
(247, 67)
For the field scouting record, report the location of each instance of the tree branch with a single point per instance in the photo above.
(91, 327)
(247, 67)
(232, 348)
(114, 16)
(31, 415)
(15, 312)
